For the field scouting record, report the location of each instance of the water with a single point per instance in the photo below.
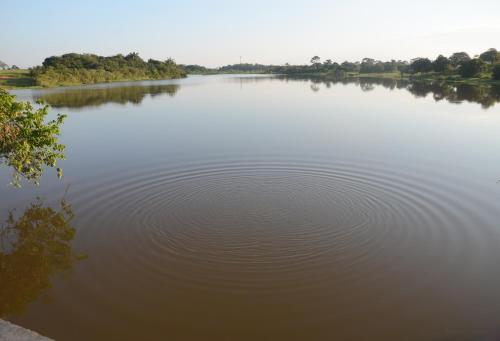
(261, 208)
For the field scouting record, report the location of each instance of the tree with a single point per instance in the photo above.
(421, 65)
(472, 68)
(441, 64)
(459, 57)
(74, 68)
(496, 72)
(490, 56)
(349, 67)
(14, 67)
(404, 68)
(3, 66)
(27, 143)
(391, 66)
(367, 65)
(315, 60)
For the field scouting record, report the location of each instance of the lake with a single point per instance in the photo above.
(264, 208)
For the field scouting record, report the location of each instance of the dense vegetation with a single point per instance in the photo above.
(198, 70)
(459, 65)
(245, 68)
(76, 68)
(27, 142)
(234, 68)
(73, 68)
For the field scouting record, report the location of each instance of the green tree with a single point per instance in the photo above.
(458, 58)
(441, 64)
(350, 67)
(315, 60)
(27, 142)
(490, 56)
(367, 65)
(421, 65)
(3, 66)
(472, 68)
(74, 68)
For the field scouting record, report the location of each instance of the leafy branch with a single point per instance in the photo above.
(27, 142)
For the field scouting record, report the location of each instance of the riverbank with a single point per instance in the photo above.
(22, 79)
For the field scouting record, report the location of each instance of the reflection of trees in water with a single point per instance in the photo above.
(34, 247)
(486, 95)
(96, 96)
(314, 87)
(250, 79)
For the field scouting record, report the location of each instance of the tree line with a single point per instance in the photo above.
(485, 65)
(459, 64)
(74, 68)
(233, 68)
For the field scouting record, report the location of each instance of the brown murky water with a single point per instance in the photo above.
(257, 208)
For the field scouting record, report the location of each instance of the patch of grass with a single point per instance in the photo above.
(389, 75)
(11, 79)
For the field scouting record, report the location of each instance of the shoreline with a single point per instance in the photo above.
(23, 77)
(397, 76)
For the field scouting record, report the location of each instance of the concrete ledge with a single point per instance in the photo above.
(11, 332)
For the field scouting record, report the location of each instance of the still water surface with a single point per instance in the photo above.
(260, 208)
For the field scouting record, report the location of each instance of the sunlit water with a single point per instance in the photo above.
(258, 208)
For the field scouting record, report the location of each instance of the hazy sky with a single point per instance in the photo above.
(218, 32)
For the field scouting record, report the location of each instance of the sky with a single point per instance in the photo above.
(219, 32)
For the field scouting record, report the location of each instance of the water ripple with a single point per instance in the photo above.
(280, 227)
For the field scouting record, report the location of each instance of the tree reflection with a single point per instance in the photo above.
(97, 96)
(486, 95)
(34, 247)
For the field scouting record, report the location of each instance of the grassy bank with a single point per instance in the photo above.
(22, 79)
(12, 79)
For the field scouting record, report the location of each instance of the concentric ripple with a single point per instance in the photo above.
(280, 227)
